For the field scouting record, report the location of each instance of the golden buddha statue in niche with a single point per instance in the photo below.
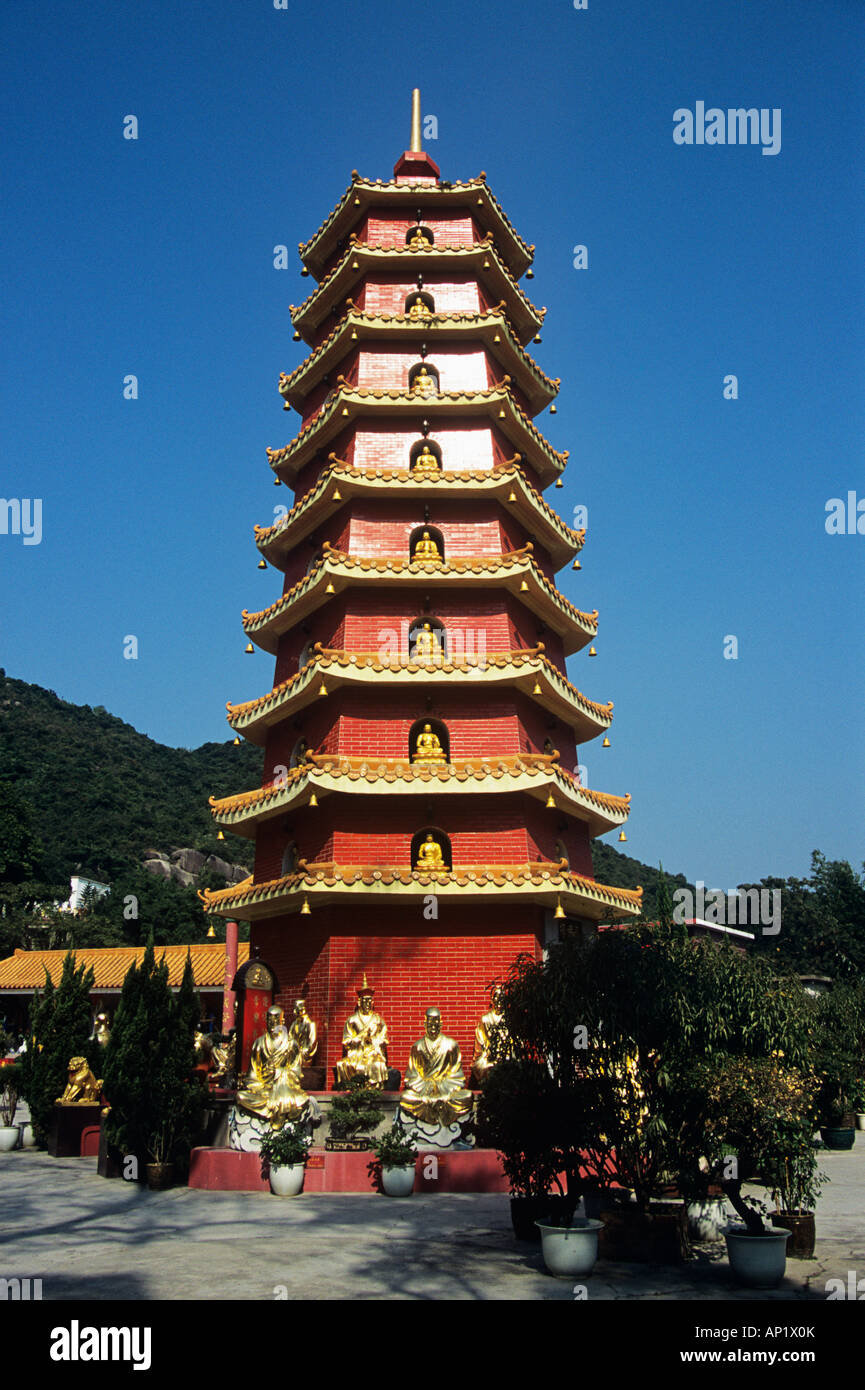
(427, 644)
(424, 384)
(429, 855)
(426, 549)
(303, 1032)
(272, 1088)
(490, 1026)
(426, 461)
(420, 240)
(427, 748)
(419, 309)
(364, 1043)
(435, 1090)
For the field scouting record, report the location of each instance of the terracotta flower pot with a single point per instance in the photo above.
(159, 1176)
(802, 1230)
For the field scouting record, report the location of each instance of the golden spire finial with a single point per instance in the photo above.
(415, 143)
(364, 985)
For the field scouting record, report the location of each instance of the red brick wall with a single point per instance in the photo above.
(450, 963)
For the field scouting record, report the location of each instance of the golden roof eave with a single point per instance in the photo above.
(359, 259)
(347, 403)
(537, 775)
(339, 571)
(362, 194)
(516, 670)
(490, 326)
(560, 541)
(543, 884)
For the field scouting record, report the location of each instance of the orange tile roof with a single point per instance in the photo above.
(26, 969)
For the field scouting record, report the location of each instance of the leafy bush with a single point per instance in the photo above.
(355, 1112)
(285, 1147)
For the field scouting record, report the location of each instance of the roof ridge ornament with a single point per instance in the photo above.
(415, 145)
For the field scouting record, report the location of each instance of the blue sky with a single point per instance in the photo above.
(706, 516)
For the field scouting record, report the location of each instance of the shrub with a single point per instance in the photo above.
(60, 1028)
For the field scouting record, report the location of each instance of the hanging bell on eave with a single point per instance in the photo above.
(536, 688)
(305, 909)
(262, 564)
(313, 800)
(211, 932)
(622, 837)
(550, 802)
(249, 648)
(559, 482)
(592, 652)
(219, 835)
(576, 565)
(236, 742)
(322, 689)
(559, 913)
(606, 743)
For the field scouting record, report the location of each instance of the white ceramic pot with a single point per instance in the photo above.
(860, 1121)
(708, 1220)
(758, 1262)
(28, 1138)
(570, 1251)
(287, 1181)
(8, 1138)
(398, 1182)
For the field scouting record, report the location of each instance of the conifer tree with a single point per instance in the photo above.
(60, 1028)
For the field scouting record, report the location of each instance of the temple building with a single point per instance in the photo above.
(420, 818)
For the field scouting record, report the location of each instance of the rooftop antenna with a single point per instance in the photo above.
(415, 144)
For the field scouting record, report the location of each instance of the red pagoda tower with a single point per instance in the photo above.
(417, 819)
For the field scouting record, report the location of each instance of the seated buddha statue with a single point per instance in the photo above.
(427, 748)
(424, 384)
(426, 645)
(429, 855)
(491, 1026)
(426, 461)
(272, 1088)
(419, 241)
(426, 548)
(435, 1092)
(419, 309)
(364, 1043)
(303, 1032)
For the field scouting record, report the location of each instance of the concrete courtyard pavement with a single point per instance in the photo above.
(90, 1238)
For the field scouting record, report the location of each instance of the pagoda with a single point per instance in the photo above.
(420, 820)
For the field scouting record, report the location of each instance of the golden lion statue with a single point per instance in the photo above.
(81, 1085)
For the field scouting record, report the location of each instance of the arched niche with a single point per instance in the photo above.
(423, 449)
(427, 639)
(304, 655)
(437, 727)
(440, 838)
(560, 853)
(418, 234)
(290, 857)
(420, 304)
(419, 535)
(423, 380)
(313, 560)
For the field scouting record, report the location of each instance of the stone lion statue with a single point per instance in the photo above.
(81, 1085)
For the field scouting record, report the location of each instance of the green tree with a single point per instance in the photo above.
(60, 1028)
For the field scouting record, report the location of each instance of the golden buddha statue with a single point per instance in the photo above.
(203, 1048)
(419, 309)
(223, 1060)
(428, 747)
(426, 549)
(101, 1029)
(364, 1043)
(272, 1088)
(420, 241)
(424, 384)
(429, 856)
(426, 461)
(434, 1082)
(426, 645)
(491, 1026)
(303, 1032)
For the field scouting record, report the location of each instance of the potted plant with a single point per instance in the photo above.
(765, 1110)
(395, 1160)
(284, 1153)
(838, 1048)
(354, 1116)
(9, 1131)
(795, 1189)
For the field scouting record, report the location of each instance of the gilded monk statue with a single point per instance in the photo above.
(364, 1043)
(434, 1082)
(491, 1026)
(303, 1032)
(272, 1088)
